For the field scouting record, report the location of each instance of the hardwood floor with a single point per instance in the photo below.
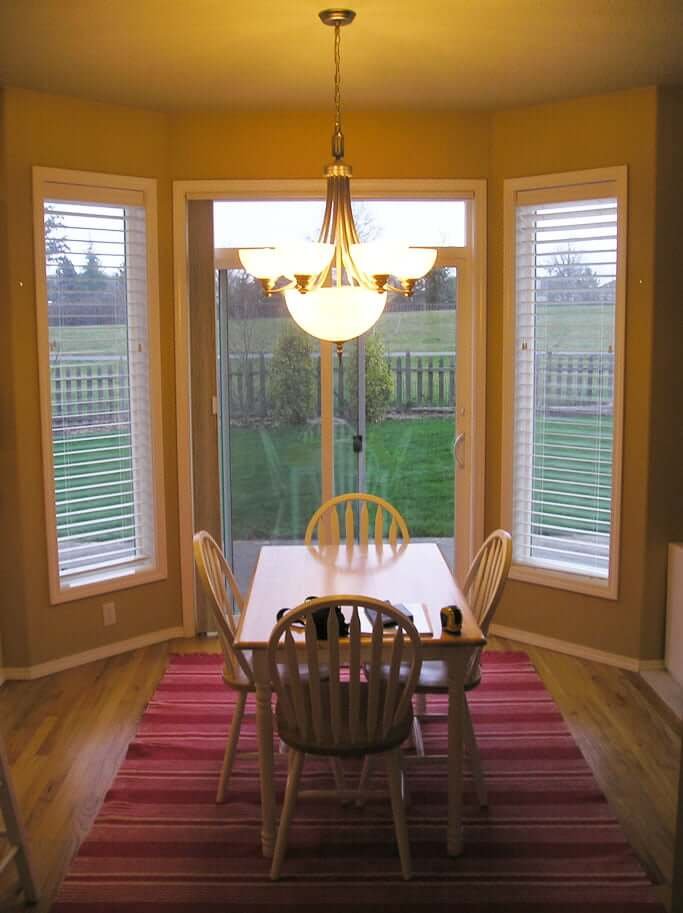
(66, 735)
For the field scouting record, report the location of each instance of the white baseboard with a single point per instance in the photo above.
(24, 673)
(631, 663)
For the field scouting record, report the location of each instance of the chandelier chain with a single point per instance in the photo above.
(337, 79)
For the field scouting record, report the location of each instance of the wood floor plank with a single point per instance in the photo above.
(67, 734)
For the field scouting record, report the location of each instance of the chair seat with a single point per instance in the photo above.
(344, 745)
(434, 677)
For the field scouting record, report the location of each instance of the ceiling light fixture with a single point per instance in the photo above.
(338, 286)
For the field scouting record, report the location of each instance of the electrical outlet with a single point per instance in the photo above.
(109, 613)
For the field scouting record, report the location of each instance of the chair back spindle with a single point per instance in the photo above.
(325, 522)
(353, 706)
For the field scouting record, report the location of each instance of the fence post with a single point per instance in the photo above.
(57, 383)
(442, 400)
(340, 386)
(399, 382)
(88, 387)
(249, 378)
(317, 385)
(451, 377)
(262, 382)
(419, 382)
(123, 392)
(408, 384)
(430, 381)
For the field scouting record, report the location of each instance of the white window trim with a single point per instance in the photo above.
(95, 187)
(595, 183)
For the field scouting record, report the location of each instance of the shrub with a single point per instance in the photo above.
(377, 379)
(292, 378)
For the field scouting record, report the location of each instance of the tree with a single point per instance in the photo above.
(568, 280)
(54, 243)
(439, 289)
(292, 378)
(92, 278)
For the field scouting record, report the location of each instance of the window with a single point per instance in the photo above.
(565, 278)
(99, 361)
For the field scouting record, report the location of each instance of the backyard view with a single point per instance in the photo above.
(270, 399)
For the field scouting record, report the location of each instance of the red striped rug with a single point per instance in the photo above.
(548, 841)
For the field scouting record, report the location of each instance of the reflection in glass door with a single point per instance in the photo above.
(395, 419)
(269, 389)
(395, 388)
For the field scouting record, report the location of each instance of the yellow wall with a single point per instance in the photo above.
(66, 133)
(47, 130)
(665, 475)
(586, 133)
(12, 616)
(297, 145)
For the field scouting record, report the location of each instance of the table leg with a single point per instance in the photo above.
(456, 697)
(264, 726)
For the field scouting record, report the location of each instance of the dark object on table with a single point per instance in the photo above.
(320, 617)
(451, 619)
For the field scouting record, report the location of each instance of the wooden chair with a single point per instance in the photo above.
(325, 521)
(482, 588)
(214, 571)
(14, 832)
(345, 715)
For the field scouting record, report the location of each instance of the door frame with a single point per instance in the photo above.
(470, 353)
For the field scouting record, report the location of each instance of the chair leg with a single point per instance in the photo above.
(475, 759)
(16, 833)
(395, 774)
(339, 779)
(418, 742)
(296, 762)
(364, 779)
(231, 746)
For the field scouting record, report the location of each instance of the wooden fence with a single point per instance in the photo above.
(89, 393)
(567, 383)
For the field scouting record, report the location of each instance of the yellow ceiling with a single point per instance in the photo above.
(205, 54)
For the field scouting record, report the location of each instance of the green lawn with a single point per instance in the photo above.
(276, 475)
(77, 459)
(572, 328)
(566, 472)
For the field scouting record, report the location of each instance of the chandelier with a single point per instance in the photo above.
(337, 286)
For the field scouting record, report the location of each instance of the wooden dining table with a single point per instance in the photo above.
(414, 573)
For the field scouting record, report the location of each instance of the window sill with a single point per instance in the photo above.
(106, 581)
(604, 588)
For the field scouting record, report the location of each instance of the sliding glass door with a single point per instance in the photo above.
(389, 426)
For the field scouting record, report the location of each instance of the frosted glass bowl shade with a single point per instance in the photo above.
(336, 314)
(304, 258)
(381, 258)
(262, 262)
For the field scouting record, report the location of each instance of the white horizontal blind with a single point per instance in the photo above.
(97, 291)
(566, 262)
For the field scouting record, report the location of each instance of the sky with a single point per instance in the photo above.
(262, 223)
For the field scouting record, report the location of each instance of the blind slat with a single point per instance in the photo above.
(563, 441)
(96, 276)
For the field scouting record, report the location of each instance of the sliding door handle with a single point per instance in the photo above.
(456, 449)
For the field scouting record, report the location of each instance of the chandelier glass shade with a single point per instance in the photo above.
(337, 286)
